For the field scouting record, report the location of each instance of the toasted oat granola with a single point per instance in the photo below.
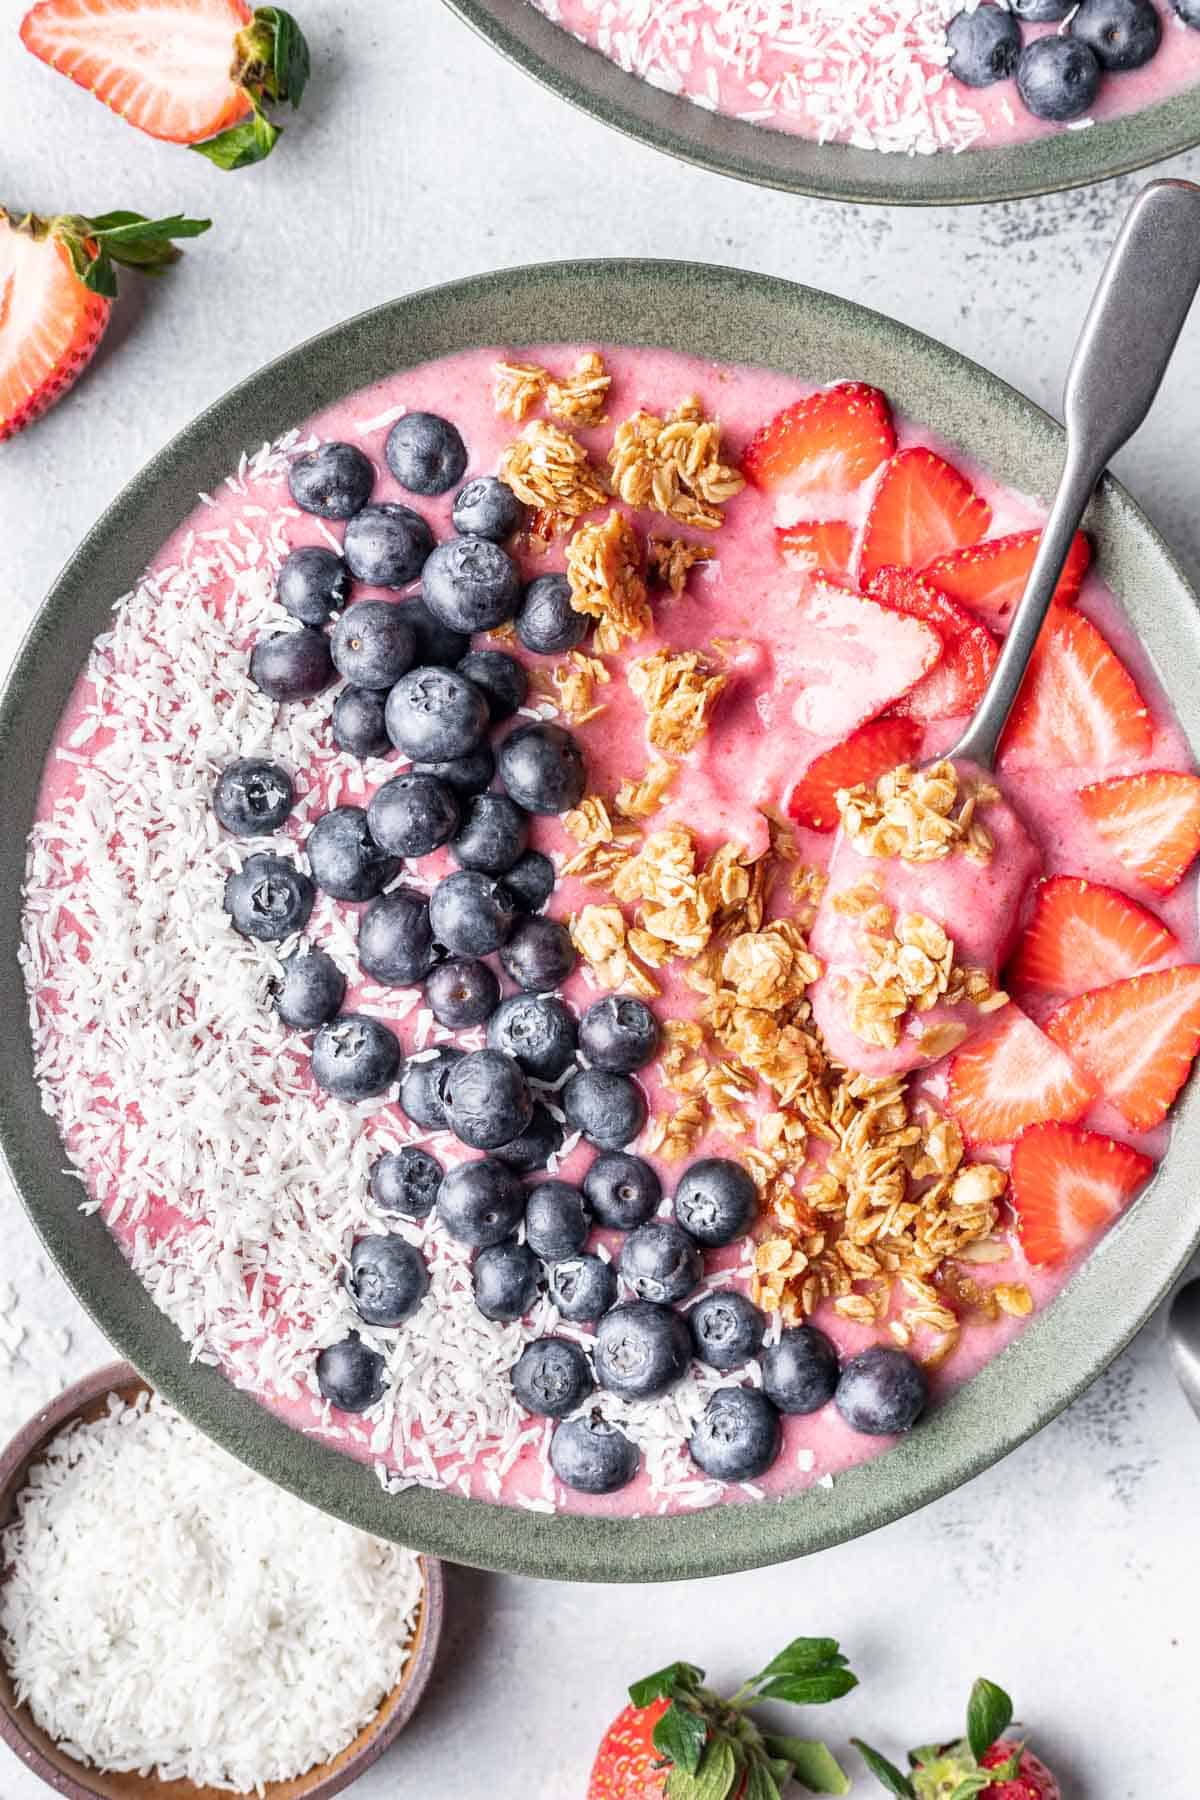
(599, 933)
(673, 466)
(671, 560)
(604, 568)
(919, 815)
(579, 399)
(571, 686)
(640, 798)
(518, 387)
(679, 693)
(549, 469)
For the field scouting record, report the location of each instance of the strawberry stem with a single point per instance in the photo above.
(97, 246)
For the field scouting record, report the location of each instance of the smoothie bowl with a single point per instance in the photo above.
(560, 1073)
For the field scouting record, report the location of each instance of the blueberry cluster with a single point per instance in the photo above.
(1058, 75)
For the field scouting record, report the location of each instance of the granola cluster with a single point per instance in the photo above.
(669, 562)
(550, 470)
(909, 966)
(919, 815)
(679, 693)
(604, 568)
(577, 399)
(673, 465)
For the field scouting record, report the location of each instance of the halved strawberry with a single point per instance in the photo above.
(831, 441)
(189, 71)
(1150, 822)
(1067, 1185)
(990, 577)
(922, 508)
(849, 658)
(867, 753)
(817, 546)
(1079, 704)
(57, 282)
(956, 682)
(1135, 1039)
(1012, 1077)
(1083, 935)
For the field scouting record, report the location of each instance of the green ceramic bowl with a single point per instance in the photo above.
(719, 313)
(833, 171)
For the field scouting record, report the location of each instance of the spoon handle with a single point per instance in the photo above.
(1130, 332)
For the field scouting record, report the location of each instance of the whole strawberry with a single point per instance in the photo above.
(678, 1740)
(986, 1764)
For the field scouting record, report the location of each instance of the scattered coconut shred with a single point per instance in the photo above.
(166, 1610)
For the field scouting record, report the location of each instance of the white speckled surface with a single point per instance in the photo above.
(1072, 1571)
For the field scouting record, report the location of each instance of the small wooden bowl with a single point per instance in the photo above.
(88, 1399)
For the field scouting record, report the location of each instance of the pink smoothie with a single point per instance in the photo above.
(233, 1184)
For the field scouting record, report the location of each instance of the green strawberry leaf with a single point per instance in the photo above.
(809, 1690)
(1010, 1768)
(714, 1779)
(886, 1774)
(972, 1785)
(96, 245)
(989, 1715)
(811, 1763)
(666, 1684)
(804, 1656)
(925, 1753)
(290, 65)
(241, 145)
(760, 1784)
(680, 1736)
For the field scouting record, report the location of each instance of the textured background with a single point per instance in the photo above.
(1071, 1572)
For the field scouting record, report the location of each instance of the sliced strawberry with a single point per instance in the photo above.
(867, 754)
(1083, 935)
(830, 441)
(1012, 1077)
(818, 546)
(1068, 1185)
(1150, 822)
(851, 658)
(1079, 704)
(991, 577)
(922, 508)
(1136, 1039)
(955, 684)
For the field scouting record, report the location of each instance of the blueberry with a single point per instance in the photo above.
(437, 646)
(493, 834)
(471, 913)
(350, 1376)
(738, 1435)
(539, 954)
(530, 881)
(358, 723)
(583, 1288)
(313, 584)
(435, 713)
(292, 665)
(387, 545)
(1058, 78)
(716, 1201)
(480, 1203)
(395, 939)
(543, 769)
(425, 453)
(610, 1110)
(642, 1349)
(618, 1033)
(487, 1099)
(547, 622)
(253, 796)
(881, 1392)
(462, 992)
(1041, 12)
(551, 1377)
(541, 1139)
(487, 508)
(538, 1031)
(388, 1279)
(556, 1220)
(413, 814)
(310, 990)
(592, 1456)
(505, 1277)
(471, 584)
(355, 1058)
(406, 1182)
(622, 1190)
(344, 858)
(423, 1087)
(373, 644)
(984, 46)
(268, 898)
(800, 1372)
(334, 482)
(1189, 12)
(727, 1329)
(500, 679)
(660, 1262)
(469, 774)
(1124, 34)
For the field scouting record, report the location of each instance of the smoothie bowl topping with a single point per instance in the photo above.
(565, 1033)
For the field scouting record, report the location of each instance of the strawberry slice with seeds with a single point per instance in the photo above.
(831, 441)
(1150, 822)
(1012, 1077)
(923, 508)
(1135, 1039)
(868, 753)
(1083, 935)
(817, 546)
(1079, 704)
(991, 577)
(851, 658)
(1068, 1185)
(955, 685)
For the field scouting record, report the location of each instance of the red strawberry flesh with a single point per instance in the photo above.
(1084, 935)
(1135, 1039)
(829, 442)
(1068, 1185)
(923, 508)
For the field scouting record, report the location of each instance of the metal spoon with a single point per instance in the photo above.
(1131, 329)
(1183, 1333)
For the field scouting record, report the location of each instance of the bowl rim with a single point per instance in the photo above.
(1056, 163)
(397, 1708)
(725, 314)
